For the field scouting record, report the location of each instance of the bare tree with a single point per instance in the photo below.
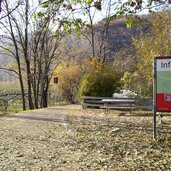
(16, 52)
(10, 11)
(44, 58)
(33, 46)
(96, 37)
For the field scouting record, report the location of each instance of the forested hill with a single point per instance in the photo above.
(113, 42)
(120, 39)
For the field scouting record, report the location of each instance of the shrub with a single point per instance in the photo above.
(103, 81)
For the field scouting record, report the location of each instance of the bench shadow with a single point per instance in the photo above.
(86, 120)
(65, 119)
(35, 118)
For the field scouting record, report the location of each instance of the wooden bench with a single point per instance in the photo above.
(93, 102)
(117, 103)
(126, 104)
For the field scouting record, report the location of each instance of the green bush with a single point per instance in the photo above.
(103, 81)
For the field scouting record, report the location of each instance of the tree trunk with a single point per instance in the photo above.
(92, 34)
(21, 86)
(44, 93)
(29, 77)
(44, 99)
(17, 58)
(31, 106)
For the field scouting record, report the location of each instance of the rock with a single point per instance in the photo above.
(115, 130)
(19, 155)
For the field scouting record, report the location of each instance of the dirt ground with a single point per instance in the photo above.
(68, 138)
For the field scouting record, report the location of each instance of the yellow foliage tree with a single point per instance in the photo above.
(69, 75)
(156, 43)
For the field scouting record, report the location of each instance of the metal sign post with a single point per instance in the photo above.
(154, 101)
(161, 88)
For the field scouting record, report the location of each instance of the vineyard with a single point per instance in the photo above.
(11, 101)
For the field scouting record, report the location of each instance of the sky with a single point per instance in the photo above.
(98, 15)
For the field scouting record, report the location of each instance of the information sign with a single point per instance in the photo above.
(163, 84)
(162, 88)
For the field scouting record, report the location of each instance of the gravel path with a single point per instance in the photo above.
(44, 140)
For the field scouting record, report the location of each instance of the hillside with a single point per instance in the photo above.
(4, 76)
(120, 40)
(113, 42)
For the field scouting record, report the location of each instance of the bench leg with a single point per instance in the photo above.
(106, 108)
(130, 109)
(160, 119)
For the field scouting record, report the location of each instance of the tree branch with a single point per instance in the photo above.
(10, 11)
(9, 69)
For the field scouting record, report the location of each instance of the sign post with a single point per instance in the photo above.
(154, 100)
(162, 87)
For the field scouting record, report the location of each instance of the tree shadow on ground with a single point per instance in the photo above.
(99, 121)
